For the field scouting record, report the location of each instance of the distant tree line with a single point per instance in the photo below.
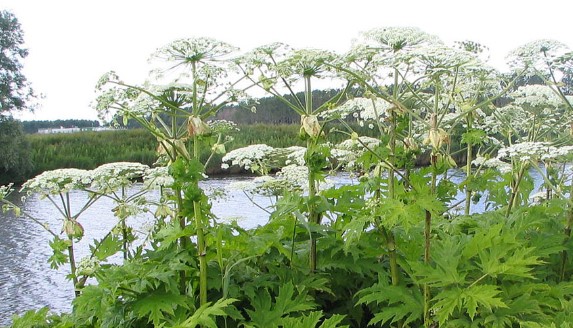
(34, 126)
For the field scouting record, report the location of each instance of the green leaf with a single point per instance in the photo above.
(473, 137)
(154, 306)
(446, 302)
(203, 317)
(268, 314)
(396, 303)
(481, 295)
(333, 322)
(59, 256)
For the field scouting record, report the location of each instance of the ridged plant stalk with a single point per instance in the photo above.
(389, 235)
(515, 182)
(201, 244)
(568, 227)
(469, 159)
(72, 230)
(313, 215)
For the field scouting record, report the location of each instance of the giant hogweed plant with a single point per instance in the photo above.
(109, 180)
(501, 268)
(280, 70)
(200, 79)
(417, 88)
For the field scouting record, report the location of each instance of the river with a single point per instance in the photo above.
(28, 282)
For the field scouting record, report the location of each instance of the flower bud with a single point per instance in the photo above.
(218, 149)
(436, 138)
(310, 125)
(451, 161)
(410, 144)
(196, 126)
(73, 229)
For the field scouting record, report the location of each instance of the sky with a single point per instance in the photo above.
(71, 43)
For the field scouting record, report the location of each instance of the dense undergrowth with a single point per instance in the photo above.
(403, 247)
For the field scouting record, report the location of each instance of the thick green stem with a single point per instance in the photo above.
(201, 244)
(427, 244)
(514, 189)
(124, 236)
(202, 252)
(182, 242)
(469, 158)
(568, 226)
(313, 215)
(124, 228)
(73, 267)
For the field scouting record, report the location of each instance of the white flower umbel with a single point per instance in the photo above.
(295, 174)
(87, 266)
(58, 181)
(253, 157)
(535, 151)
(347, 152)
(496, 163)
(398, 38)
(111, 176)
(295, 155)
(158, 177)
(222, 126)
(5, 191)
(363, 109)
(536, 96)
(535, 56)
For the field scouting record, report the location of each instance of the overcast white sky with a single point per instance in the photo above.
(73, 42)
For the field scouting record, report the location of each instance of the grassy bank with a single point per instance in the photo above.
(87, 150)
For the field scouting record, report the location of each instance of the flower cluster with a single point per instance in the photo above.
(253, 157)
(157, 177)
(222, 126)
(531, 151)
(536, 95)
(264, 185)
(87, 266)
(111, 176)
(502, 166)
(295, 155)
(295, 175)
(363, 109)
(5, 191)
(524, 152)
(535, 55)
(58, 181)
(306, 63)
(194, 50)
(347, 152)
(399, 38)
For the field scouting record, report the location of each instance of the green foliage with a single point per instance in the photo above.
(15, 90)
(16, 163)
(88, 150)
(390, 251)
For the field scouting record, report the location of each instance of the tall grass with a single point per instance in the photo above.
(87, 150)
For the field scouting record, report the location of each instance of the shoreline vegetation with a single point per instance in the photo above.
(88, 150)
(389, 251)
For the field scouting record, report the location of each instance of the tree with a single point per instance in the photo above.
(15, 94)
(15, 90)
